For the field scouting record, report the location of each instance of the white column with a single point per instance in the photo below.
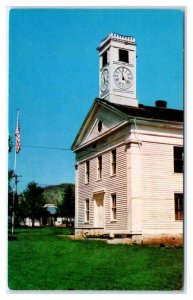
(134, 168)
(76, 194)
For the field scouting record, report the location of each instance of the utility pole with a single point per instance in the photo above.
(15, 182)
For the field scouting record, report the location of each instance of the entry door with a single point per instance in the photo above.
(99, 211)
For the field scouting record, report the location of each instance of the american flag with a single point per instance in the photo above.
(17, 135)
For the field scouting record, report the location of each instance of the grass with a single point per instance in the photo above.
(42, 259)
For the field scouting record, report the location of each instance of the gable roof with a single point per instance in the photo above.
(149, 112)
(142, 111)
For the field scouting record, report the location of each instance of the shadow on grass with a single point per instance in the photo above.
(12, 237)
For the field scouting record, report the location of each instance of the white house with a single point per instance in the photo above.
(129, 157)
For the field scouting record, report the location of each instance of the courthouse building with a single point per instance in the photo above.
(129, 156)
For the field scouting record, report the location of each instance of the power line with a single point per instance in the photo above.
(55, 148)
(45, 147)
(90, 151)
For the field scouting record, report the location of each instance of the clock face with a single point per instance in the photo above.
(104, 80)
(123, 78)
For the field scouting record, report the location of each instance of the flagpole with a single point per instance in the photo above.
(15, 177)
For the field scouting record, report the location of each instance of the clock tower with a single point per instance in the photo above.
(117, 69)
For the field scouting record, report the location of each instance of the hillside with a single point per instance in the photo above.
(55, 193)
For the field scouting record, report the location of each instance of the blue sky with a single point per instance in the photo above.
(53, 76)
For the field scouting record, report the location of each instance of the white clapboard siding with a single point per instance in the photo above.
(159, 183)
(111, 184)
(145, 182)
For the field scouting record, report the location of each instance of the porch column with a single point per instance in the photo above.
(76, 195)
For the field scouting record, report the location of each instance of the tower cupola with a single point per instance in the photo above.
(117, 69)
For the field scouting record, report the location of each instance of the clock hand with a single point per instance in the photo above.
(122, 75)
(123, 78)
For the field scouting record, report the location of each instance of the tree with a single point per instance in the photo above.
(32, 204)
(10, 192)
(10, 144)
(67, 207)
(23, 208)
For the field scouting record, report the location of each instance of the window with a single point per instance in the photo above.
(123, 55)
(104, 59)
(87, 171)
(87, 210)
(179, 206)
(99, 170)
(113, 162)
(113, 207)
(178, 159)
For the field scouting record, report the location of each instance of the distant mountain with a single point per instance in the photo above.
(55, 193)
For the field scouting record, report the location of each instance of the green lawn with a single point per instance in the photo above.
(42, 259)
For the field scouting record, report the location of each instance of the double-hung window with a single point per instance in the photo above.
(87, 171)
(86, 210)
(179, 206)
(99, 167)
(113, 207)
(113, 162)
(178, 159)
